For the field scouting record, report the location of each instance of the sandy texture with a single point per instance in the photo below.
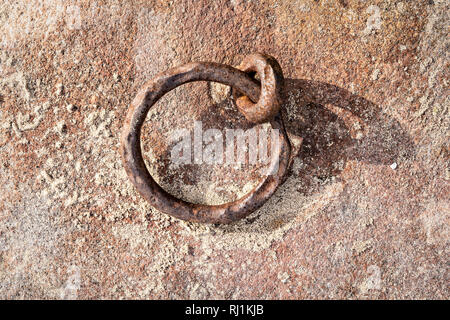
(363, 214)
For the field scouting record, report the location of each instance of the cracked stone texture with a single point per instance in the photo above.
(363, 214)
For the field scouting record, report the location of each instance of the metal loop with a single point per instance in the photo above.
(144, 182)
(272, 81)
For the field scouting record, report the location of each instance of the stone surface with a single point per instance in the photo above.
(367, 88)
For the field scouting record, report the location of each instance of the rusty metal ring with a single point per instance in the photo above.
(155, 194)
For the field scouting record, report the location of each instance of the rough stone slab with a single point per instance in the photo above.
(364, 213)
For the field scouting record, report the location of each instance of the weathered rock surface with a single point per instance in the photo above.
(363, 214)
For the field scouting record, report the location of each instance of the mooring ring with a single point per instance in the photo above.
(163, 201)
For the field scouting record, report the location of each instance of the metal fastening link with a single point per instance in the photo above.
(272, 81)
(265, 110)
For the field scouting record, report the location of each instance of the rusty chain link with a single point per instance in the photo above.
(246, 91)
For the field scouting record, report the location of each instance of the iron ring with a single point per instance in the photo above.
(163, 201)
